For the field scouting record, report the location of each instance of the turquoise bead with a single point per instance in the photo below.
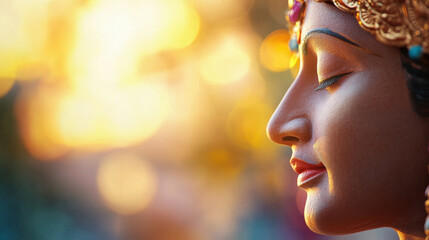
(415, 52)
(293, 45)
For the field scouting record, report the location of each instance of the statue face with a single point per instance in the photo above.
(366, 147)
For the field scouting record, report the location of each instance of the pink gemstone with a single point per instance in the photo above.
(294, 12)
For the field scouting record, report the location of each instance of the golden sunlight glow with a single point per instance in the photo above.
(138, 113)
(246, 124)
(5, 85)
(35, 112)
(223, 9)
(22, 34)
(227, 61)
(10, 61)
(126, 183)
(113, 37)
(224, 162)
(274, 53)
(79, 122)
(110, 101)
(183, 24)
(115, 104)
(121, 119)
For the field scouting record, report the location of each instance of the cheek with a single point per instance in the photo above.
(363, 127)
(366, 141)
(344, 146)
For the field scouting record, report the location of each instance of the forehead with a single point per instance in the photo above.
(322, 15)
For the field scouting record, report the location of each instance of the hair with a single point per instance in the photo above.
(417, 81)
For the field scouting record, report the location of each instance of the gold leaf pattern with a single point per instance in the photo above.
(398, 23)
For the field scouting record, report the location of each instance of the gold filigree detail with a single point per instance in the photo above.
(397, 23)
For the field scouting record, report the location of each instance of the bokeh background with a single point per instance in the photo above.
(145, 119)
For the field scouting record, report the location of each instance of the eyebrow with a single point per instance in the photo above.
(331, 33)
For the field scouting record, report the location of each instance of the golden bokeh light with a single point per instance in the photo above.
(226, 61)
(183, 24)
(10, 62)
(126, 182)
(121, 119)
(36, 117)
(113, 30)
(111, 102)
(53, 121)
(224, 163)
(138, 113)
(216, 10)
(80, 122)
(274, 53)
(105, 81)
(113, 37)
(23, 34)
(246, 124)
(5, 85)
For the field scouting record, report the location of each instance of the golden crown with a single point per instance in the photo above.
(399, 23)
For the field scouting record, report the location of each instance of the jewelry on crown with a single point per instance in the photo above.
(295, 16)
(399, 23)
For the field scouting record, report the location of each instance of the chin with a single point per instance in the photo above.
(335, 218)
(321, 222)
(327, 224)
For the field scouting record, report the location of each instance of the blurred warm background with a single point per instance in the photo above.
(145, 119)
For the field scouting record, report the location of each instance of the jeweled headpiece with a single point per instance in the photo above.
(399, 23)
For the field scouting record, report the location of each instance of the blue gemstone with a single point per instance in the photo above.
(415, 52)
(293, 45)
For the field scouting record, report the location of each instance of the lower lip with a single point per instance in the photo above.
(309, 175)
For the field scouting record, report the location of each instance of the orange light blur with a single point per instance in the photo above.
(122, 119)
(35, 112)
(246, 124)
(161, 105)
(274, 53)
(151, 108)
(108, 101)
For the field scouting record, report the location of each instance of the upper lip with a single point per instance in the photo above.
(300, 166)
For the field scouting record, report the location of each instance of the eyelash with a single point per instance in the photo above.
(329, 81)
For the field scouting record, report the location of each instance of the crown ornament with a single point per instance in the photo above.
(295, 17)
(399, 23)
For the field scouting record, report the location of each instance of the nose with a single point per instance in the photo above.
(290, 123)
(289, 132)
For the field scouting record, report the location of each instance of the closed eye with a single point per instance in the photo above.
(329, 81)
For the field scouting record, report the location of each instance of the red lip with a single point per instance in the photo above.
(306, 171)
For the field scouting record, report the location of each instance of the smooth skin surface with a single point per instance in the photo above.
(362, 128)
